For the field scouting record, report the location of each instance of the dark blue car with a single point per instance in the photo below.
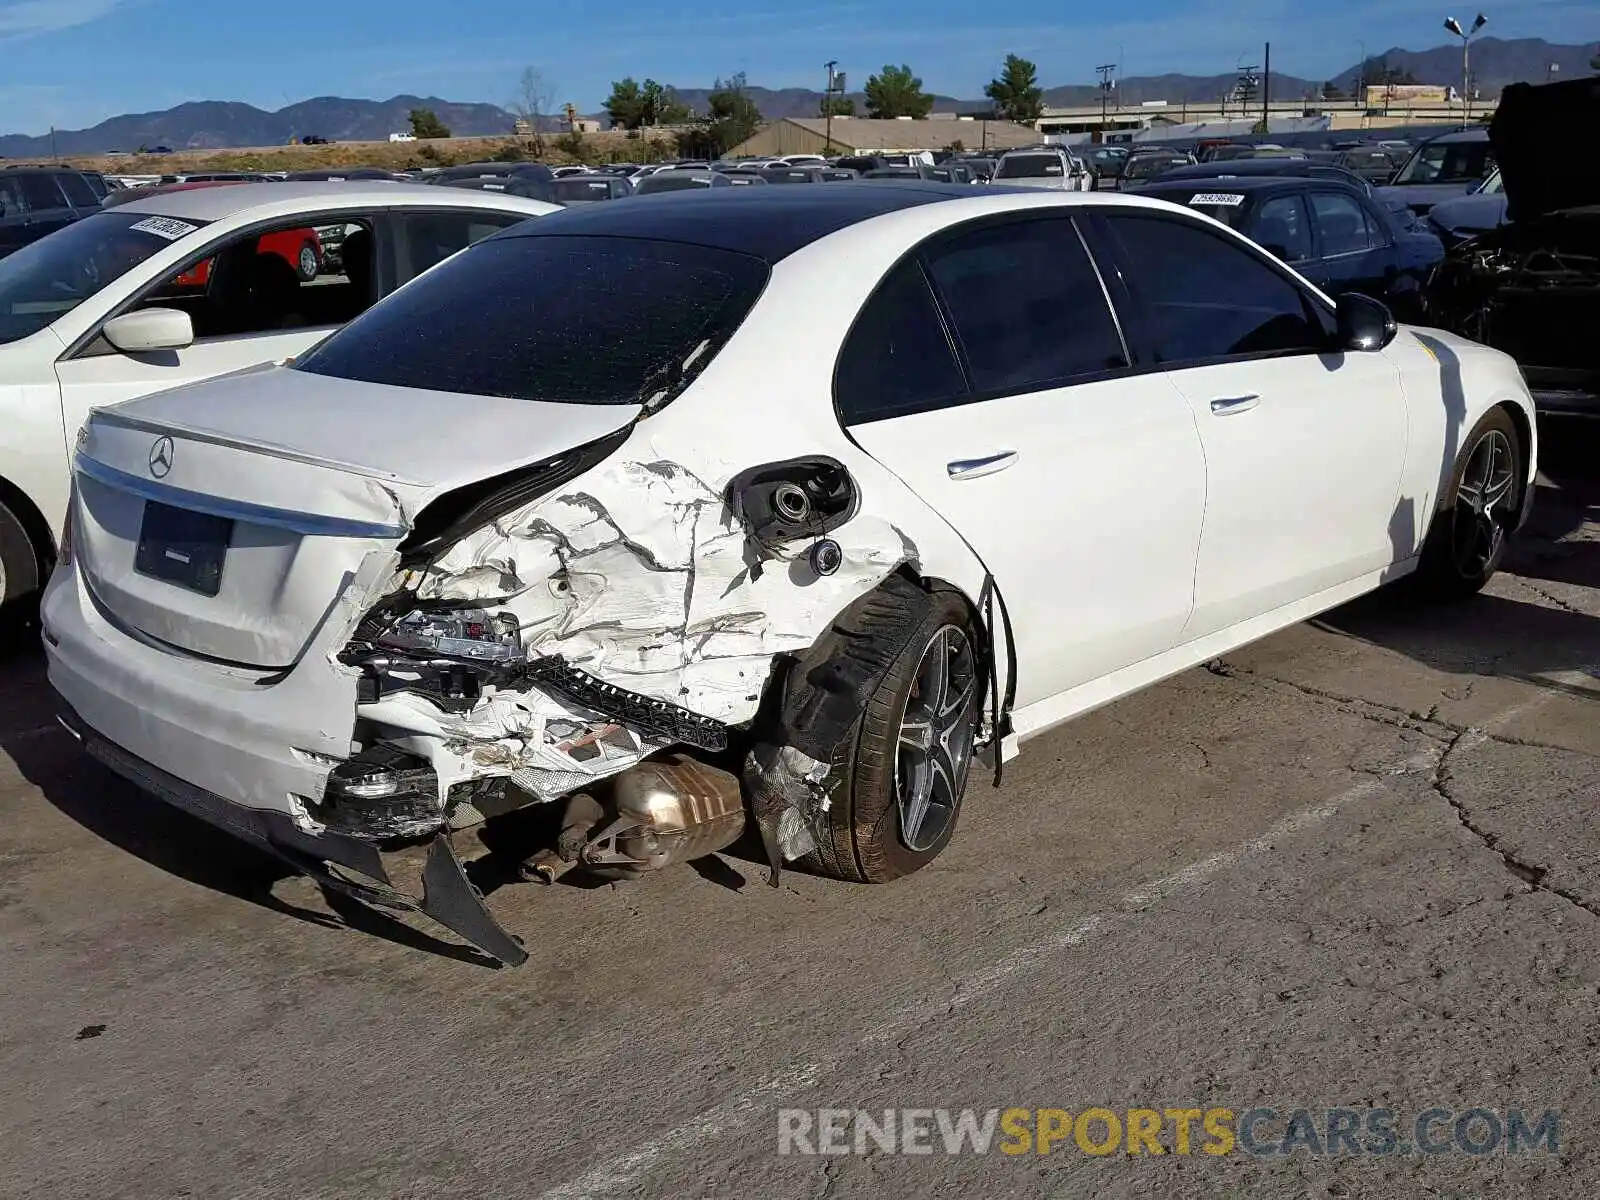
(1334, 234)
(1441, 169)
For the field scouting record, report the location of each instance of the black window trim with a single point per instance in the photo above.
(911, 258)
(1001, 220)
(1104, 246)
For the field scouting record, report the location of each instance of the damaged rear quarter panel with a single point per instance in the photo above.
(637, 571)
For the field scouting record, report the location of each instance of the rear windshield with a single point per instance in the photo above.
(52, 276)
(1147, 166)
(565, 191)
(665, 182)
(1029, 166)
(1214, 199)
(574, 320)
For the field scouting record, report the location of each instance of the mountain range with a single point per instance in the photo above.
(215, 124)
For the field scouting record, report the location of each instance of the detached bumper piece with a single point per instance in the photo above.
(448, 896)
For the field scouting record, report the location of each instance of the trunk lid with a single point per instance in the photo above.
(1542, 136)
(225, 519)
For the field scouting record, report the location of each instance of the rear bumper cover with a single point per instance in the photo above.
(448, 895)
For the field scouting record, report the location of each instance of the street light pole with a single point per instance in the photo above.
(1465, 35)
(1361, 76)
(827, 107)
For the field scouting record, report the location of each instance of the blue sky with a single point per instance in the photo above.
(75, 62)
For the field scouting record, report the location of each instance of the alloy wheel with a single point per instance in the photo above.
(308, 262)
(936, 735)
(1484, 509)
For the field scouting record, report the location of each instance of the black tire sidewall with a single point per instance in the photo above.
(1439, 569)
(19, 593)
(870, 809)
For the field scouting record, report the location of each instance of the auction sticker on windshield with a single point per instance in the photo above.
(164, 227)
(1221, 199)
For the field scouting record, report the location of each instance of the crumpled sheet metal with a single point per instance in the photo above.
(637, 573)
(543, 746)
(787, 798)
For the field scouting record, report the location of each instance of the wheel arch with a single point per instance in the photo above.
(40, 535)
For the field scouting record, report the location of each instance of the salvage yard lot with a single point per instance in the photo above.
(1354, 865)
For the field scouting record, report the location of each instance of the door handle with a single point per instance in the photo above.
(1234, 404)
(977, 468)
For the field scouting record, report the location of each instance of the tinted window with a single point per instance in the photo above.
(575, 320)
(897, 359)
(423, 240)
(78, 191)
(1281, 227)
(664, 182)
(41, 192)
(11, 204)
(1028, 308)
(1205, 297)
(1341, 223)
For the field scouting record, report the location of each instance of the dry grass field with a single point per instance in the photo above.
(591, 148)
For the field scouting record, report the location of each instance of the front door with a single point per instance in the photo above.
(1007, 406)
(1304, 447)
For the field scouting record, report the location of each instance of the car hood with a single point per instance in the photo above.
(1419, 197)
(1471, 214)
(1539, 133)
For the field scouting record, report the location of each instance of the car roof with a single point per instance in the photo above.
(1460, 135)
(767, 223)
(220, 203)
(1211, 183)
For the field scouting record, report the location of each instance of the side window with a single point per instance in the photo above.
(41, 192)
(897, 359)
(11, 204)
(275, 281)
(1281, 227)
(1028, 308)
(78, 191)
(1206, 298)
(1341, 223)
(423, 240)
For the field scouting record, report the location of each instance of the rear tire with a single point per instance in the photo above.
(1470, 533)
(898, 779)
(19, 581)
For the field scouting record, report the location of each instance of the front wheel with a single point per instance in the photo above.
(1470, 534)
(898, 780)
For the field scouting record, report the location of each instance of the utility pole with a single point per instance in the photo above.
(1266, 90)
(1107, 82)
(52, 141)
(827, 106)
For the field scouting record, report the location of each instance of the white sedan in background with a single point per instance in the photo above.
(180, 286)
(524, 534)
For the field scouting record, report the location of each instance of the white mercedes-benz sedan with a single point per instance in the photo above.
(769, 506)
(183, 285)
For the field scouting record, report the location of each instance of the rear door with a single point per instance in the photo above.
(1304, 447)
(989, 374)
(1352, 253)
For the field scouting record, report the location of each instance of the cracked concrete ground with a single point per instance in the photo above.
(1354, 865)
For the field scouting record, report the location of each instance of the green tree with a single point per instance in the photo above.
(634, 105)
(425, 123)
(731, 117)
(837, 106)
(1016, 93)
(1332, 91)
(896, 92)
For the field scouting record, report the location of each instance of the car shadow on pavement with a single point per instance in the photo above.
(1485, 635)
(173, 841)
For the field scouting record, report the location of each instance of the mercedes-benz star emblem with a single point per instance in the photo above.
(161, 457)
